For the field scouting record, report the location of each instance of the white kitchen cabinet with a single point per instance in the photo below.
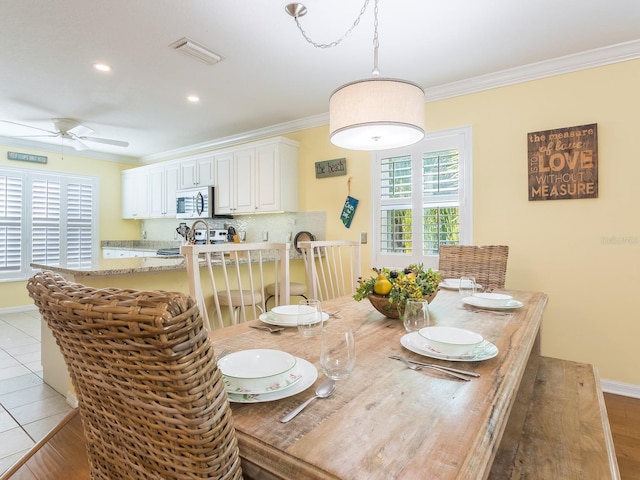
(235, 182)
(276, 174)
(164, 181)
(127, 253)
(135, 193)
(196, 172)
(260, 179)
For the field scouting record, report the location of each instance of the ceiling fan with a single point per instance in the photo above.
(71, 132)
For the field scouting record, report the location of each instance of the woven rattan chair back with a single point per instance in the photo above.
(230, 279)
(333, 267)
(488, 264)
(151, 397)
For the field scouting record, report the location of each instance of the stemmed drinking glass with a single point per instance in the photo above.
(338, 351)
(415, 315)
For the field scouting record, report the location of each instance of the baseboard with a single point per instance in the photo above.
(23, 308)
(72, 400)
(619, 388)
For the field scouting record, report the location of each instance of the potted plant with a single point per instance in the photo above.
(389, 290)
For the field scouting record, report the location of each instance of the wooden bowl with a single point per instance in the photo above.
(382, 304)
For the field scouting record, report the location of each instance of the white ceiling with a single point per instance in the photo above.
(269, 75)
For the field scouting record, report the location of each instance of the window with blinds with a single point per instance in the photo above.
(46, 218)
(421, 199)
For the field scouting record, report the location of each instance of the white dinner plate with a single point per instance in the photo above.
(453, 284)
(271, 319)
(414, 342)
(309, 376)
(479, 303)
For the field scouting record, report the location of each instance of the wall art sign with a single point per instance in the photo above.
(563, 163)
(331, 168)
(25, 157)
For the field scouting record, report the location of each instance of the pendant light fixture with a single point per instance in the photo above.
(375, 113)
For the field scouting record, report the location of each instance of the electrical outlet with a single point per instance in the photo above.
(363, 237)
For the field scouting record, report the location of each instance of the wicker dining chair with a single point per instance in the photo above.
(150, 394)
(488, 264)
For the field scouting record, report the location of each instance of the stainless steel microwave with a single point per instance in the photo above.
(195, 203)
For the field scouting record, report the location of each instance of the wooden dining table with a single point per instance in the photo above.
(387, 421)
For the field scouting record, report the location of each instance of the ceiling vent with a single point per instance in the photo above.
(189, 47)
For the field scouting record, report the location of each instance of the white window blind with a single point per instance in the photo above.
(10, 223)
(421, 199)
(46, 218)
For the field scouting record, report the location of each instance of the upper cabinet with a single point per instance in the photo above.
(257, 177)
(197, 172)
(135, 198)
(163, 183)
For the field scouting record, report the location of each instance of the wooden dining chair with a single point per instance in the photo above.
(332, 266)
(487, 263)
(151, 397)
(235, 276)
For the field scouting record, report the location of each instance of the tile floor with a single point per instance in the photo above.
(29, 408)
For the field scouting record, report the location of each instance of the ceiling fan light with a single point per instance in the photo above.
(376, 114)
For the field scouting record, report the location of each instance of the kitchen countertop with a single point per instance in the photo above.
(121, 266)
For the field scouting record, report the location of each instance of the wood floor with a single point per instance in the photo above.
(62, 454)
(624, 418)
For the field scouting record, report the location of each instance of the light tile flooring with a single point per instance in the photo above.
(29, 408)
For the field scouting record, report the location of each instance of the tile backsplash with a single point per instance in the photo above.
(277, 226)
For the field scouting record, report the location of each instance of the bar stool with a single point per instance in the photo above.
(295, 290)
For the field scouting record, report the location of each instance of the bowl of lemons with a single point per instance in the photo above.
(389, 290)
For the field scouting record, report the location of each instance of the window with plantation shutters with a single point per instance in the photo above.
(10, 223)
(46, 218)
(421, 199)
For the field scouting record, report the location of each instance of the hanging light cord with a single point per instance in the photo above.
(348, 32)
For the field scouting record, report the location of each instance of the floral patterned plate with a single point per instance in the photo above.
(308, 376)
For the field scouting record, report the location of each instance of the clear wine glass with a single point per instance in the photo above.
(467, 286)
(309, 319)
(415, 315)
(338, 351)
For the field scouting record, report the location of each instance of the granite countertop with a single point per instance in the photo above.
(121, 266)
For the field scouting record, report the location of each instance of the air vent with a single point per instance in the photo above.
(189, 47)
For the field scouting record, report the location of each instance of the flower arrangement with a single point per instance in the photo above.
(389, 290)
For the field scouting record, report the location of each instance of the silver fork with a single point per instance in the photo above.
(268, 329)
(410, 365)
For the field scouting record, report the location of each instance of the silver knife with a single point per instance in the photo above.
(441, 367)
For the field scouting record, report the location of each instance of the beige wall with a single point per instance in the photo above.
(111, 226)
(555, 246)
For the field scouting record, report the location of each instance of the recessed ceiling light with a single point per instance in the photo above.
(193, 98)
(102, 67)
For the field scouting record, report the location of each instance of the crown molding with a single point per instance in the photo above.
(598, 57)
(250, 136)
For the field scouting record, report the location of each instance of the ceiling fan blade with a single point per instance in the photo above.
(80, 130)
(29, 126)
(35, 136)
(76, 143)
(106, 141)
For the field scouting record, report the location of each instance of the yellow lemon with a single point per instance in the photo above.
(382, 285)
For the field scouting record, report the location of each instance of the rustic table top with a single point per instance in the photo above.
(387, 421)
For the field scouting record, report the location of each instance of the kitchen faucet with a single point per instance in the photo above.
(191, 235)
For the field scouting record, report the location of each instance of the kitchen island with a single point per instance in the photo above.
(136, 273)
